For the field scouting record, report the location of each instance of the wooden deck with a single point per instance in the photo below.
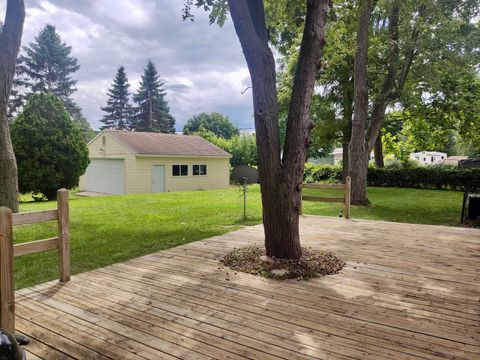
(407, 292)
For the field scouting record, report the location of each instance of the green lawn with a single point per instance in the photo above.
(105, 230)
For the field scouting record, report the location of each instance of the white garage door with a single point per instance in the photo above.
(106, 176)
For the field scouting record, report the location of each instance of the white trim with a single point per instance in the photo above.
(186, 156)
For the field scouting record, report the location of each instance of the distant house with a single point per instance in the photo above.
(334, 158)
(453, 160)
(127, 162)
(428, 157)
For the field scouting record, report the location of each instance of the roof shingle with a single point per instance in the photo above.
(148, 143)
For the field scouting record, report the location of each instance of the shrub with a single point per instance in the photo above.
(50, 150)
(322, 173)
(421, 177)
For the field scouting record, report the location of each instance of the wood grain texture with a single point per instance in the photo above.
(33, 247)
(348, 196)
(63, 235)
(34, 217)
(322, 199)
(7, 288)
(323, 186)
(407, 292)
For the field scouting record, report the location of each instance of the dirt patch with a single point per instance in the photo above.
(313, 263)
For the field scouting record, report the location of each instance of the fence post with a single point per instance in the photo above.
(7, 288)
(63, 235)
(348, 196)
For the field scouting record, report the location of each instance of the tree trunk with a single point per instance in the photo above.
(10, 40)
(280, 181)
(378, 150)
(347, 131)
(358, 147)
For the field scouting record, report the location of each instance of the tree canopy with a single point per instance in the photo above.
(217, 123)
(48, 64)
(51, 152)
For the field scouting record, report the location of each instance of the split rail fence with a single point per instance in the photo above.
(8, 251)
(346, 199)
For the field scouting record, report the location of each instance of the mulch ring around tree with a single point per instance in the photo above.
(313, 263)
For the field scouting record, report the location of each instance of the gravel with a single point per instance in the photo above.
(313, 263)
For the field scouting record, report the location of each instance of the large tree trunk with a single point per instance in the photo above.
(347, 131)
(280, 181)
(378, 150)
(10, 40)
(358, 162)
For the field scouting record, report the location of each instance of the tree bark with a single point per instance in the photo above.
(10, 40)
(358, 147)
(378, 150)
(347, 131)
(280, 179)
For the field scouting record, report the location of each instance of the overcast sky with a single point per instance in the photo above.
(202, 65)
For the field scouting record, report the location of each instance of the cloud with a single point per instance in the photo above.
(202, 65)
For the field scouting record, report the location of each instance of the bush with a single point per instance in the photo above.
(50, 149)
(421, 177)
(322, 173)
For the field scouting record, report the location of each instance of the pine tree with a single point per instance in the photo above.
(118, 110)
(48, 64)
(47, 67)
(152, 112)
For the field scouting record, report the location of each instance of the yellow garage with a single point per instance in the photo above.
(127, 162)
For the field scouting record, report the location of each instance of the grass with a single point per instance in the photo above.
(106, 230)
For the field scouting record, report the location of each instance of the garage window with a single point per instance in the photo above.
(199, 170)
(180, 170)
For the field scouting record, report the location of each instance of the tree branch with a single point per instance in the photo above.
(299, 124)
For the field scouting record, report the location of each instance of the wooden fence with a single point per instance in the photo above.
(8, 250)
(346, 199)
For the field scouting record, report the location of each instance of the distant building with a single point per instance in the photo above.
(453, 160)
(334, 158)
(429, 157)
(131, 162)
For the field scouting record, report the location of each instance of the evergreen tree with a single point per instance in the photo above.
(118, 110)
(152, 112)
(49, 66)
(50, 150)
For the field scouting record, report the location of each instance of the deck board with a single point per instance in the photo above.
(407, 292)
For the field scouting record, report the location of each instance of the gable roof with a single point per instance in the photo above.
(148, 143)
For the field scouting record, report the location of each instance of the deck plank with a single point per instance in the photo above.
(407, 292)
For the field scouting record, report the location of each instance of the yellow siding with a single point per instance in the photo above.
(218, 173)
(112, 149)
(138, 169)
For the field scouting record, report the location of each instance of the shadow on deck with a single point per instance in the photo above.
(407, 292)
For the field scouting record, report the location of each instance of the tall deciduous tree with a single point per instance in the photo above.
(217, 123)
(152, 112)
(10, 39)
(358, 162)
(281, 175)
(118, 110)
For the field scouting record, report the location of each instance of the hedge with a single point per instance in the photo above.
(422, 177)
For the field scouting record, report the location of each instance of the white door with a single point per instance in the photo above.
(106, 176)
(158, 178)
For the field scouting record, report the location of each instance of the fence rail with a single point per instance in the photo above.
(8, 250)
(346, 199)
